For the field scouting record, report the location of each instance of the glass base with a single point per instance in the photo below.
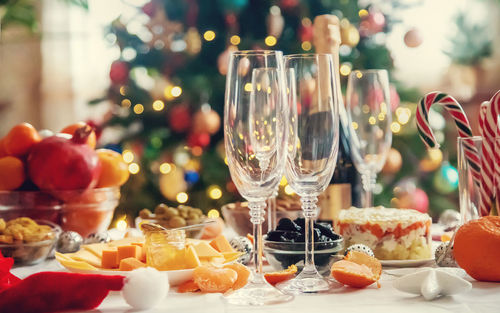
(257, 293)
(308, 283)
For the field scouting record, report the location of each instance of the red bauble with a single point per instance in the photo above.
(288, 4)
(198, 140)
(371, 24)
(206, 121)
(149, 8)
(179, 118)
(119, 72)
(420, 201)
(306, 33)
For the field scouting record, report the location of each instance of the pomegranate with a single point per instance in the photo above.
(62, 163)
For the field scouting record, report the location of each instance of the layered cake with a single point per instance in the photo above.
(392, 234)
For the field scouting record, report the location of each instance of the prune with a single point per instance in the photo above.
(292, 235)
(326, 230)
(276, 235)
(293, 231)
(287, 224)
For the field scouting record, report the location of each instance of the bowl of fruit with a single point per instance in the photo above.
(285, 246)
(60, 177)
(170, 217)
(27, 241)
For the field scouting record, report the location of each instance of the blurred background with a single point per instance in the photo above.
(150, 76)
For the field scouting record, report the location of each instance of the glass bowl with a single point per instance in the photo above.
(190, 233)
(239, 219)
(32, 252)
(281, 255)
(84, 211)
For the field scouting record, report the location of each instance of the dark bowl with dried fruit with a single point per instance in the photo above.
(285, 245)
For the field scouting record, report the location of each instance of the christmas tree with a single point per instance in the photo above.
(168, 93)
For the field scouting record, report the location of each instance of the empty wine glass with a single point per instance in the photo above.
(254, 137)
(369, 114)
(312, 149)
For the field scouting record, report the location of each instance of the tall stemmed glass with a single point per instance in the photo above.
(369, 114)
(312, 149)
(254, 136)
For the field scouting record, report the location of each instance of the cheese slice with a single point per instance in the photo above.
(77, 265)
(86, 256)
(63, 256)
(126, 241)
(191, 258)
(96, 248)
(205, 250)
(231, 256)
(221, 244)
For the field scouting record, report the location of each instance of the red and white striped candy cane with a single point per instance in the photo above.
(461, 121)
(487, 161)
(493, 129)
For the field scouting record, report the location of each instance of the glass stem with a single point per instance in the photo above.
(368, 179)
(257, 212)
(271, 212)
(310, 212)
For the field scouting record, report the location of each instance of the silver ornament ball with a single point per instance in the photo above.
(445, 258)
(100, 237)
(69, 242)
(243, 244)
(449, 219)
(360, 248)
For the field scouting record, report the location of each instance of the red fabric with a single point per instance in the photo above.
(53, 291)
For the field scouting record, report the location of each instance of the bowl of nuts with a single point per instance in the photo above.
(171, 217)
(27, 241)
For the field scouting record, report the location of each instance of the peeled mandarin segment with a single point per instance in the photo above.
(364, 259)
(475, 248)
(352, 274)
(243, 274)
(212, 279)
(189, 286)
(277, 277)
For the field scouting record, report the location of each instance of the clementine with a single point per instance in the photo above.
(188, 286)
(476, 248)
(277, 277)
(243, 274)
(114, 171)
(20, 139)
(91, 140)
(12, 173)
(357, 269)
(213, 279)
(364, 259)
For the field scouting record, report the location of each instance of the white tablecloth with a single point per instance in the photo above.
(483, 298)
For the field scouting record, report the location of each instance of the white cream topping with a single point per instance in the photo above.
(387, 218)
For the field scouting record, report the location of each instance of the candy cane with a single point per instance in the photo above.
(493, 130)
(487, 159)
(461, 121)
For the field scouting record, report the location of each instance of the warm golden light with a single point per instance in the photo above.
(288, 190)
(270, 41)
(355, 125)
(165, 168)
(133, 168)
(395, 127)
(403, 115)
(126, 103)
(122, 224)
(372, 120)
(283, 181)
(123, 90)
(182, 197)
(248, 87)
(176, 91)
(235, 40)
(225, 161)
(306, 46)
(359, 74)
(363, 13)
(213, 213)
(158, 105)
(214, 192)
(345, 69)
(138, 108)
(209, 35)
(128, 156)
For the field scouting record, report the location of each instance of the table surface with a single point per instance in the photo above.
(483, 298)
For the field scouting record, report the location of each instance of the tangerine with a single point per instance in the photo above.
(13, 173)
(213, 279)
(114, 171)
(20, 139)
(243, 274)
(188, 286)
(70, 129)
(352, 274)
(476, 248)
(277, 277)
(364, 259)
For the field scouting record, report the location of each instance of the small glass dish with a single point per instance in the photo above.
(32, 252)
(190, 233)
(281, 255)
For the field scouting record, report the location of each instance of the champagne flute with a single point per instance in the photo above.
(369, 115)
(254, 136)
(312, 149)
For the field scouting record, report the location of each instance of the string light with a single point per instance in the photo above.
(123, 90)
(133, 168)
(372, 120)
(138, 108)
(165, 168)
(345, 69)
(288, 190)
(306, 46)
(355, 125)
(158, 105)
(270, 41)
(213, 213)
(403, 115)
(359, 74)
(121, 224)
(196, 151)
(235, 40)
(176, 91)
(363, 13)
(395, 127)
(209, 35)
(182, 197)
(128, 156)
(126, 103)
(248, 87)
(214, 192)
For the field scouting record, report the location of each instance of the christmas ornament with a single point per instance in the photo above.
(163, 30)
(206, 121)
(69, 242)
(420, 201)
(101, 237)
(360, 248)
(198, 140)
(289, 4)
(275, 22)
(393, 162)
(372, 23)
(432, 283)
(223, 59)
(179, 118)
(450, 219)
(432, 160)
(350, 35)
(191, 177)
(193, 41)
(244, 245)
(446, 179)
(172, 183)
(413, 38)
(444, 255)
(119, 72)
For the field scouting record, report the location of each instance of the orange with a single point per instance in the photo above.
(277, 277)
(476, 248)
(20, 139)
(213, 279)
(91, 140)
(243, 274)
(12, 173)
(364, 259)
(189, 286)
(114, 171)
(2, 149)
(352, 274)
